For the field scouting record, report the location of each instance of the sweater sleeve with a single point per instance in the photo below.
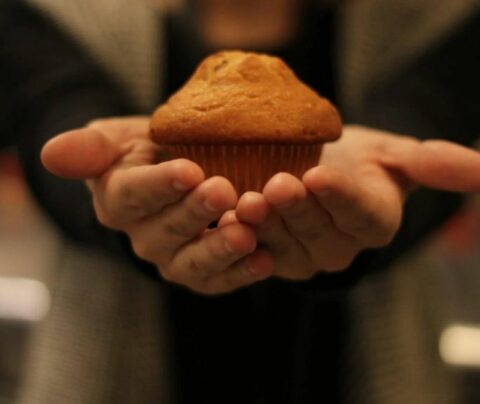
(49, 85)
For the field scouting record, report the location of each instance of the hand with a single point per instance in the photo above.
(163, 206)
(352, 201)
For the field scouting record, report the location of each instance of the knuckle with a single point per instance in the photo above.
(216, 253)
(197, 215)
(196, 265)
(129, 197)
(105, 215)
(170, 228)
(124, 194)
(177, 229)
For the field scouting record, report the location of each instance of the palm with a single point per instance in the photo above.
(352, 200)
(163, 206)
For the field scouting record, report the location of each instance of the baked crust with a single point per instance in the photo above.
(238, 97)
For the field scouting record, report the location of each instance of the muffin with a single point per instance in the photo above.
(246, 117)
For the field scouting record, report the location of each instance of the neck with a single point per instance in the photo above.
(247, 23)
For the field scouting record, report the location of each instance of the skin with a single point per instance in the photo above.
(292, 230)
(226, 24)
(163, 206)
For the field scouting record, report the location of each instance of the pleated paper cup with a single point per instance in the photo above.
(250, 166)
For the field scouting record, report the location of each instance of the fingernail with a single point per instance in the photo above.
(180, 186)
(209, 206)
(228, 247)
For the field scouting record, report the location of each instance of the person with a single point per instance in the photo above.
(330, 220)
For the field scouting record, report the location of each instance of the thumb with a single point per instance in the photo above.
(79, 154)
(443, 165)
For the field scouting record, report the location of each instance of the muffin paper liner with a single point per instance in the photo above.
(250, 166)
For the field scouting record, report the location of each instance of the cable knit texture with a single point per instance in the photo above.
(122, 35)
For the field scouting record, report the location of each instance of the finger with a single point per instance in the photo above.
(252, 208)
(89, 152)
(310, 223)
(210, 254)
(302, 216)
(370, 212)
(157, 238)
(125, 195)
(80, 154)
(291, 260)
(229, 217)
(127, 127)
(283, 189)
(256, 267)
(436, 164)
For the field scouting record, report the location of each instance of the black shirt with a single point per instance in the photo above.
(232, 350)
(310, 53)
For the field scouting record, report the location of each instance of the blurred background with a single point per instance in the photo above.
(28, 249)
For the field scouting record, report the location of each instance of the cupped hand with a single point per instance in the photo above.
(352, 201)
(164, 206)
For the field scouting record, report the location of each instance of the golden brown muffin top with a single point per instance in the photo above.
(238, 97)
